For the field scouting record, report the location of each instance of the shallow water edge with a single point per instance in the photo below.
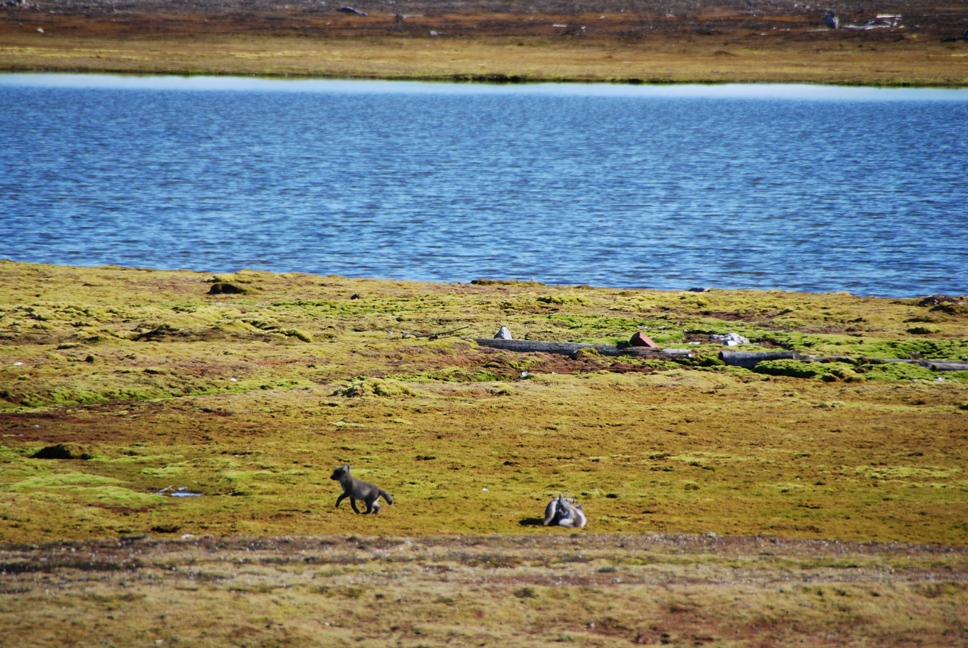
(510, 86)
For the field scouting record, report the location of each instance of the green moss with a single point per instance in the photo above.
(299, 335)
(374, 387)
(58, 480)
(895, 371)
(827, 371)
(438, 421)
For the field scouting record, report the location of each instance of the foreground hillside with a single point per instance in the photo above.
(520, 590)
(901, 43)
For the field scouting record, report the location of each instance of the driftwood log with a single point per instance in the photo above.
(571, 348)
(933, 365)
(745, 359)
(942, 365)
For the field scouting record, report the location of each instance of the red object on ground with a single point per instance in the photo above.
(639, 339)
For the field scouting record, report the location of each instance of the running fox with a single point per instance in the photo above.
(356, 489)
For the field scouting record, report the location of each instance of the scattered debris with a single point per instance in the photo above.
(181, 491)
(730, 339)
(832, 19)
(639, 339)
(881, 21)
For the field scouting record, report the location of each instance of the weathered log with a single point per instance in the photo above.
(749, 359)
(564, 348)
(933, 365)
(941, 365)
(571, 348)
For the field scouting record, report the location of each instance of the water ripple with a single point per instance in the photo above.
(816, 190)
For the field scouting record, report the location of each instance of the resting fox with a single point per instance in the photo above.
(564, 511)
(356, 489)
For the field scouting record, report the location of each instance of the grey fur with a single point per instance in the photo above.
(357, 489)
(573, 517)
(564, 511)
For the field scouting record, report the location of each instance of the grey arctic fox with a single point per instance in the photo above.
(357, 489)
(566, 512)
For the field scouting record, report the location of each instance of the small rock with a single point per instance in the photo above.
(639, 339)
(60, 451)
(698, 289)
(225, 288)
(351, 10)
(936, 300)
(503, 334)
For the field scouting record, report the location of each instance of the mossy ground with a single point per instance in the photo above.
(164, 385)
(251, 398)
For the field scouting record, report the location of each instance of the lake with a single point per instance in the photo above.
(769, 187)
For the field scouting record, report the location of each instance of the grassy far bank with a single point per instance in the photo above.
(251, 398)
(652, 42)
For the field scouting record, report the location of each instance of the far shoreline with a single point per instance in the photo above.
(653, 45)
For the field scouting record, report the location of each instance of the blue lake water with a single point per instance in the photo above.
(789, 187)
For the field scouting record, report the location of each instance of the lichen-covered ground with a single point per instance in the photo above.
(154, 383)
